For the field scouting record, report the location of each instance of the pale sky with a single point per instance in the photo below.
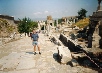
(42, 8)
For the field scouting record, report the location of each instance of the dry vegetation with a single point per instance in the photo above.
(5, 28)
(82, 23)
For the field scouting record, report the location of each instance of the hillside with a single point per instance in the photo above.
(82, 23)
(6, 29)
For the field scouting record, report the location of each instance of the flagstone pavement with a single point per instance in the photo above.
(18, 57)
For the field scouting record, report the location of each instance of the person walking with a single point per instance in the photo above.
(35, 43)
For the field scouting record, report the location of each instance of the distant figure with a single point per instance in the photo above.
(35, 43)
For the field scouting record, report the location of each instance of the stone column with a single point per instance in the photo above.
(26, 34)
(56, 23)
(65, 21)
(68, 21)
(52, 23)
(48, 28)
(39, 27)
(73, 20)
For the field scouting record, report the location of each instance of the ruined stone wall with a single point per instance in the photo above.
(71, 44)
(9, 19)
(6, 17)
(63, 39)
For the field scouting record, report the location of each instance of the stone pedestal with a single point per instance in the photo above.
(95, 43)
(96, 37)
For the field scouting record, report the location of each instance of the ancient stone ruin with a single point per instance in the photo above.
(86, 52)
(95, 28)
(10, 19)
(48, 27)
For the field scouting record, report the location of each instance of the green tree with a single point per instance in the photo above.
(59, 21)
(26, 25)
(82, 13)
(55, 22)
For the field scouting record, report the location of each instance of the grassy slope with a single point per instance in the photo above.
(5, 28)
(82, 23)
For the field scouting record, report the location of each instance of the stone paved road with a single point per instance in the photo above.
(18, 57)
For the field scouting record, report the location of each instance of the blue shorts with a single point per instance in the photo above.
(35, 43)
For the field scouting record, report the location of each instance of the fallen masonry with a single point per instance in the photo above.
(64, 54)
(78, 52)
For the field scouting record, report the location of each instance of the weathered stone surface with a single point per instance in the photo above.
(26, 64)
(43, 71)
(78, 55)
(64, 53)
(21, 52)
(9, 62)
(56, 40)
(24, 71)
(10, 65)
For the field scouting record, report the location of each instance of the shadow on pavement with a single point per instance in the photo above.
(55, 56)
(30, 52)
